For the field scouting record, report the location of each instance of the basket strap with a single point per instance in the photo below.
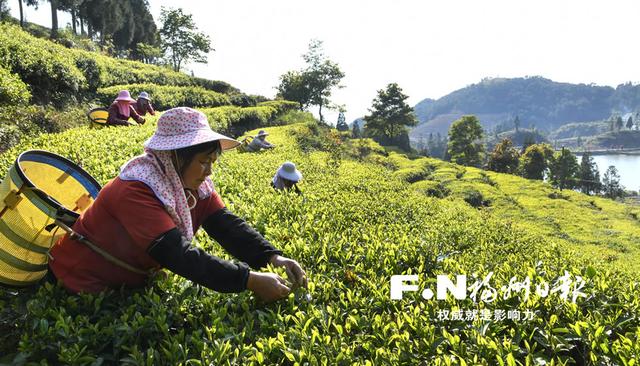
(102, 252)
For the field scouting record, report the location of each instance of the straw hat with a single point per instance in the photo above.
(182, 127)
(124, 96)
(288, 171)
(144, 95)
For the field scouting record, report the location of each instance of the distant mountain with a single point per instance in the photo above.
(538, 102)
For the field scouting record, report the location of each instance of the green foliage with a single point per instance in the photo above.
(314, 84)
(181, 40)
(60, 75)
(236, 121)
(464, 146)
(22, 122)
(535, 161)
(354, 227)
(296, 116)
(504, 158)
(51, 74)
(341, 124)
(390, 116)
(611, 183)
(166, 97)
(589, 175)
(12, 89)
(564, 170)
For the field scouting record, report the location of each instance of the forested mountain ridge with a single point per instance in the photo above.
(538, 102)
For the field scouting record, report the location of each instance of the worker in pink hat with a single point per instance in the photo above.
(145, 219)
(122, 109)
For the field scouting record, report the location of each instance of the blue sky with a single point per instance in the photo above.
(430, 48)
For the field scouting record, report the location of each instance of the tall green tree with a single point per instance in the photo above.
(314, 84)
(321, 76)
(619, 123)
(516, 123)
(181, 39)
(611, 186)
(534, 162)
(629, 123)
(390, 116)
(465, 141)
(564, 170)
(589, 176)
(341, 124)
(293, 86)
(504, 158)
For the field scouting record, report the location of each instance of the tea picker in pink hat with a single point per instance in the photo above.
(148, 215)
(121, 109)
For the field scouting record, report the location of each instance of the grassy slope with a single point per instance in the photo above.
(356, 224)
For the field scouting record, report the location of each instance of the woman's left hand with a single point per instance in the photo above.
(295, 273)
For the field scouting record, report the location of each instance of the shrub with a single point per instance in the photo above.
(21, 122)
(474, 198)
(48, 68)
(12, 89)
(165, 97)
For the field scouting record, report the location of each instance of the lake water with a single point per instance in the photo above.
(628, 167)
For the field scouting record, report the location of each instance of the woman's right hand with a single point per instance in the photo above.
(268, 286)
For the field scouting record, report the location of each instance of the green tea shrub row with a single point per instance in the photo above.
(59, 75)
(236, 121)
(353, 227)
(22, 122)
(166, 97)
(12, 89)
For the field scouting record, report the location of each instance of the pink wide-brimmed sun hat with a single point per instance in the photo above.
(124, 96)
(182, 127)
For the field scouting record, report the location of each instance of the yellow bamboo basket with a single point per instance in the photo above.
(40, 188)
(98, 117)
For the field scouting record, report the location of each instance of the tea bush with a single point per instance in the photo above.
(165, 96)
(12, 89)
(353, 227)
(59, 75)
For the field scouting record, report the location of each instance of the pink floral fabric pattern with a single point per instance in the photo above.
(155, 169)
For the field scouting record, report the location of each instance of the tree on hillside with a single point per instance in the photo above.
(535, 161)
(54, 18)
(293, 86)
(504, 158)
(390, 116)
(589, 176)
(321, 76)
(564, 170)
(516, 123)
(312, 85)
(529, 139)
(342, 125)
(629, 123)
(611, 183)
(465, 146)
(72, 7)
(33, 3)
(4, 10)
(619, 123)
(181, 40)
